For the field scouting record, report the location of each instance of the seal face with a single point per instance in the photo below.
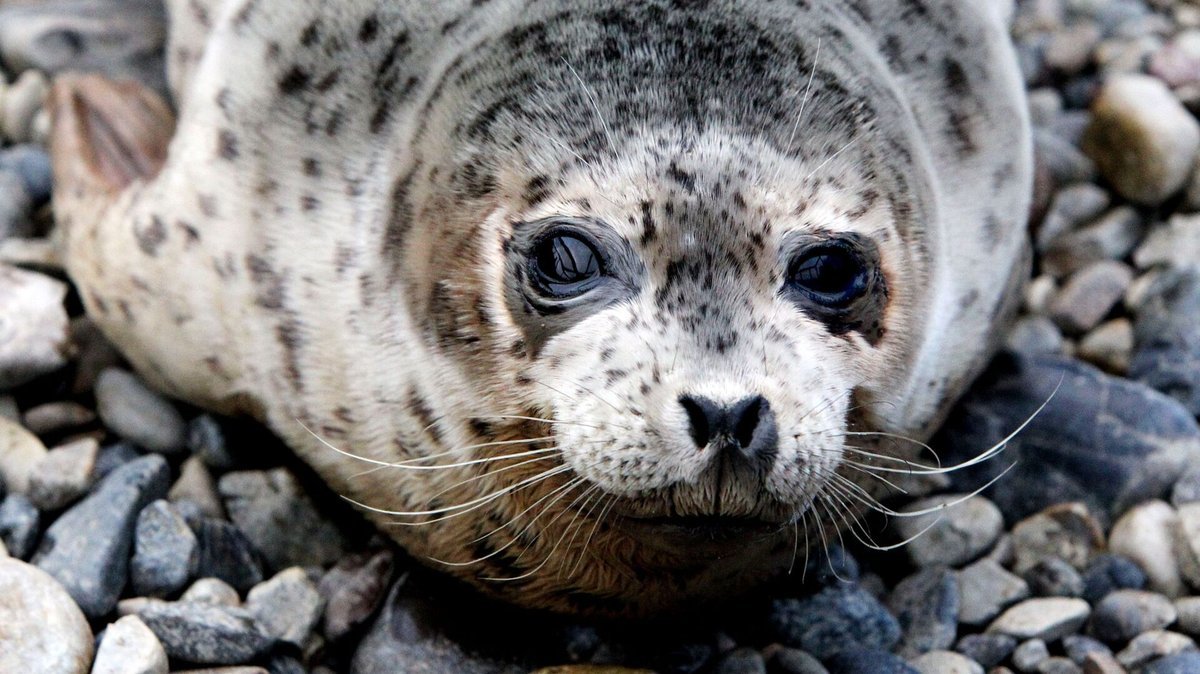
(601, 307)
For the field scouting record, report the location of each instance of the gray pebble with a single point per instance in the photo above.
(87, 548)
(1109, 346)
(31, 163)
(1067, 531)
(958, 534)
(986, 589)
(1175, 244)
(1149, 646)
(1047, 618)
(1035, 334)
(1058, 665)
(1089, 295)
(1112, 237)
(56, 417)
(1187, 488)
(988, 650)
(64, 474)
(212, 591)
(1145, 535)
(197, 486)
(741, 661)
(206, 440)
(1167, 348)
(832, 620)
(926, 604)
(867, 661)
(1187, 610)
(33, 326)
(21, 104)
(206, 634)
(41, 629)
(287, 606)
(1053, 577)
(165, 553)
(1078, 647)
(945, 662)
(129, 647)
(1125, 614)
(1184, 663)
(1071, 207)
(138, 414)
(1029, 655)
(353, 589)
(794, 661)
(20, 525)
(226, 553)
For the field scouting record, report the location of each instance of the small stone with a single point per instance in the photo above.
(20, 452)
(353, 590)
(87, 548)
(1058, 665)
(64, 474)
(1078, 647)
(1174, 245)
(165, 553)
(138, 414)
(832, 620)
(22, 102)
(1178, 62)
(1187, 488)
(57, 417)
(1067, 531)
(113, 457)
(1183, 663)
(41, 628)
(1047, 618)
(196, 485)
(1064, 162)
(19, 525)
(1112, 237)
(1030, 654)
(1070, 50)
(867, 661)
(1071, 207)
(1089, 295)
(1141, 138)
(1149, 646)
(225, 553)
(129, 647)
(212, 591)
(1035, 334)
(1108, 573)
(1039, 293)
(988, 650)
(1187, 542)
(946, 662)
(1109, 346)
(31, 163)
(961, 533)
(1053, 577)
(1125, 614)
(741, 661)
(1102, 663)
(16, 207)
(794, 661)
(1144, 535)
(287, 606)
(985, 590)
(926, 604)
(1187, 610)
(1167, 352)
(275, 513)
(206, 634)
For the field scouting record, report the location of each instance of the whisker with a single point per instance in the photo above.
(476, 502)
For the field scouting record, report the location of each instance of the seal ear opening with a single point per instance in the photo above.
(105, 135)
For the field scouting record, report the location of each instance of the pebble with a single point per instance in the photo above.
(741, 661)
(1175, 245)
(833, 619)
(287, 606)
(1101, 663)
(1054, 577)
(20, 453)
(1058, 665)
(945, 662)
(1089, 295)
(1186, 488)
(926, 604)
(1038, 294)
(1187, 542)
(1124, 614)
(1035, 334)
(1187, 612)
(1108, 573)
(138, 414)
(41, 628)
(988, 650)
(31, 164)
(1066, 163)
(165, 551)
(226, 553)
(1145, 535)
(64, 474)
(353, 590)
(1143, 141)
(1109, 346)
(87, 548)
(1149, 646)
(1029, 655)
(56, 417)
(1066, 531)
(20, 525)
(785, 660)
(15, 208)
(129, 647)
(206, 440)
(212, 591)
(986, 589)
(1071, 207)
(1047, 618)
(33, 326)
(21, 104)
(206, 634)
(958, 534)
(1078, 647)
(1112, 237)
(272, 510)
(1183, 663)
(867, 661)
(196, 485)
(1167, 351)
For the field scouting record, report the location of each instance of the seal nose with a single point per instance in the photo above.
(744, 430)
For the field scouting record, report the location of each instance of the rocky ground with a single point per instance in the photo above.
(140, 535)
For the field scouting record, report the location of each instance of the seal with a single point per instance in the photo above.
(602, 307)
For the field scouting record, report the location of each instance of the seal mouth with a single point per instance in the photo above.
(700, 527)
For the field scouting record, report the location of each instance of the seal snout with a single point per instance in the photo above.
(743, 432)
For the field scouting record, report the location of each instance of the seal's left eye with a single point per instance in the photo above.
(831, 275)
(565, 264)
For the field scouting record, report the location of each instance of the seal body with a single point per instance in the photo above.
(599, 306)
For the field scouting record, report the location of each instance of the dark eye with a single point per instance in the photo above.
(564, 264)
(831, 275)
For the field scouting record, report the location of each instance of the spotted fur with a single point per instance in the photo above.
(333, 241)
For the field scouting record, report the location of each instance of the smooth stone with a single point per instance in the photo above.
(1166, 353)
(206, 440)
(275, 513)
(56, 417)
(166, 553)
(1038, 294)
(1108, 573)
(1064, 162)
(1089, 295)
(1029, 655)
(1178, 61)
(1124, 614)
(212, 591)
(857, 660)
(1054, 577)
(1078, 647)
(1058, 665)
(794, 661)
(1112, 237)
(741, 661)
(136, 413)
(113, 457)
(1187, 488)
(21, 104)
(1144, 534)
(1100, 663)
(206, 634)
(353, 590)
(41, 628)
(226, 553)
(945, 662)
(16, 208)
(1187, 542)
(1109, 346)
(20, 452)
(1183, 663)
(129, 647)
(31, 163)
(196, 485)
(1035, 334)
(33, 327)
(832, 620)
(20, 524)
(1101, 440)
(1187, 612)
(1047, 618)
(956, 534)
(1175, 244)
(64, 474)
(1067, 531)
(1143, 141)
(87, 548)
(1071, 207)
(986, 589)
(926, 604)
(1149, 646)
(287, 606)
(988, 650)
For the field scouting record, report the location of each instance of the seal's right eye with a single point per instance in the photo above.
(565, 264)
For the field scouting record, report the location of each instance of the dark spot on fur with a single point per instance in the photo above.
(151, 237)
(294, 80)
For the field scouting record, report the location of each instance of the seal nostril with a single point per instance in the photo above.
(702, 415)
(747, 414)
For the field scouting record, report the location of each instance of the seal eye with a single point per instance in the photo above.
(565, 264)
(831, 275)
